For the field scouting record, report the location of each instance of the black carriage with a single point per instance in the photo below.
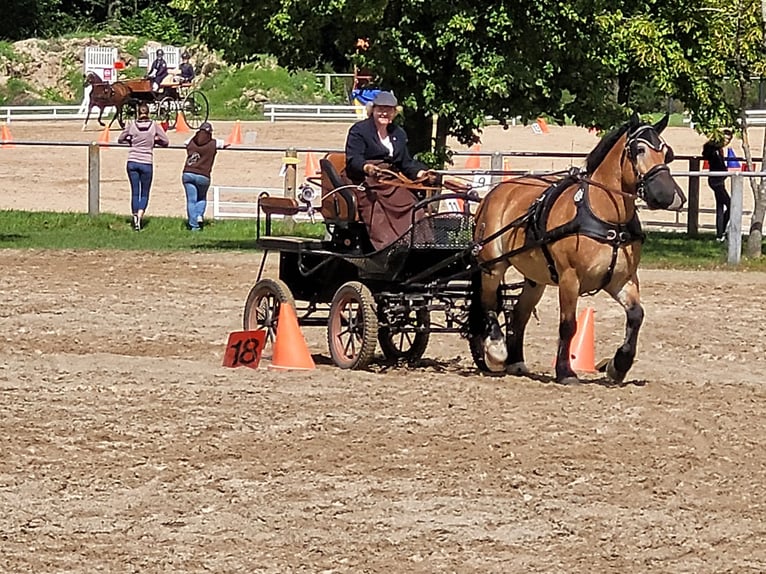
(396, 297)
(170, 100)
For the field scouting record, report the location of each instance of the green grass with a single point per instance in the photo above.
(45, 230)
(226, 90)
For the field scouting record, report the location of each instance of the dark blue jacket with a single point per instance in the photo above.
(363, 145)
(159, 70)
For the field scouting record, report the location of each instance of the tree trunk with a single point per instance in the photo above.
(755, 237)
(418, 126)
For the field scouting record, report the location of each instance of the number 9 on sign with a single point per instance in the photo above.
(244, 349)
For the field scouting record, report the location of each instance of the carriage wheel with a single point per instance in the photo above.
(352, 326)
(195, 109)
(406, 346)
(166, 112)
(262, 306)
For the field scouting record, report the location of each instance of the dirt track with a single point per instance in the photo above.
(126, 447)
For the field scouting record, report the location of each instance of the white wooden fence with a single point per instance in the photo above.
(308, 112)
(10, 113)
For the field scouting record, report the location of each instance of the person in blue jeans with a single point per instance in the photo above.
(142, 135)
(200, 155)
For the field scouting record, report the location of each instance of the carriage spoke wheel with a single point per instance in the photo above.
(263, 304)
(398, 345)
(352, 327)
(195, 109)
(166, 112)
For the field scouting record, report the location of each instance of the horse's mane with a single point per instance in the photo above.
(597, 155)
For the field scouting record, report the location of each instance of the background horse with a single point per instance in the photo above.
(104, 95)
(582, 233)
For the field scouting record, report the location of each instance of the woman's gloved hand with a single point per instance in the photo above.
(372, 170)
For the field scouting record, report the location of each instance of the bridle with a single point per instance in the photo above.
(631, 152)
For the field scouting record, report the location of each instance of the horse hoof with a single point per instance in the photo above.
(493, 366)
(517, 369)
(613, 374)
(496, 353)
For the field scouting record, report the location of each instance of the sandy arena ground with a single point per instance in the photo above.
(125, 446)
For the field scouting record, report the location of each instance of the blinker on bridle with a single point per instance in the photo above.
(631, 150)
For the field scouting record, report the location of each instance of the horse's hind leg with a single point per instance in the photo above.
(522, 311)
(629, 297)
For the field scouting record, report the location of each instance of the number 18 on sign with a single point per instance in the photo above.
(244, 349)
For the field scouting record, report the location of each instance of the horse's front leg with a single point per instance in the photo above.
(569, 292)
(514, 337)
(487, 343)
(630, 298)
(87, 117)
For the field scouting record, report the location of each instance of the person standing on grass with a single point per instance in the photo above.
(712, 152)
(200, 155)
(142, 135)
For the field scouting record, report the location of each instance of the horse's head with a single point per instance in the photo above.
(647, 155)
(91, 79)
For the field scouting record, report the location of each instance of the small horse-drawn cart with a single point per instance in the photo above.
(165, 104)
(396, 296)
(579, 231)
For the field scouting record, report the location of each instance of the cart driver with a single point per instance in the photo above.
(373, 145)
(158, 70)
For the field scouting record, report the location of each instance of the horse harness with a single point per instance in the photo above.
(585, 222)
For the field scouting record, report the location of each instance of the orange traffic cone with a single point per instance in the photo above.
(582, 350)
(181, 125)
(312, 165)
(543, 125)
(474, 161)
(290, 350)
(236, 136)
(103, 137)
(6, 137)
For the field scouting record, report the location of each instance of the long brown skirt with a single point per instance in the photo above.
(386, 210)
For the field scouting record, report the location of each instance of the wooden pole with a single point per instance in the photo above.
(291, 178)
(735, 220)
(94, 178)
(693, 205)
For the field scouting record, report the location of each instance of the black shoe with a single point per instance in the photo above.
(136, 223)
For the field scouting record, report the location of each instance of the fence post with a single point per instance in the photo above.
(693, 206)
(735, 220)
(291, 177)
(496, 165)
(94, 178)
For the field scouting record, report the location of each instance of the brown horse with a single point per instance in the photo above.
(582, 233)
(104, 95)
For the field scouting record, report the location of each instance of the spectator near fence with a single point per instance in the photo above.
(200, 155)
(142, 135)
(713, 154)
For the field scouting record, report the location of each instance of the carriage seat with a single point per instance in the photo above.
(339, 204)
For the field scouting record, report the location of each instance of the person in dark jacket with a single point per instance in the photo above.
(373, 145)
(200, 155)
(158, 70)
(185, 70)
(713, 153)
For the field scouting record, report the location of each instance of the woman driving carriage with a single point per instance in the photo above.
(158, 71)
(373, 146)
